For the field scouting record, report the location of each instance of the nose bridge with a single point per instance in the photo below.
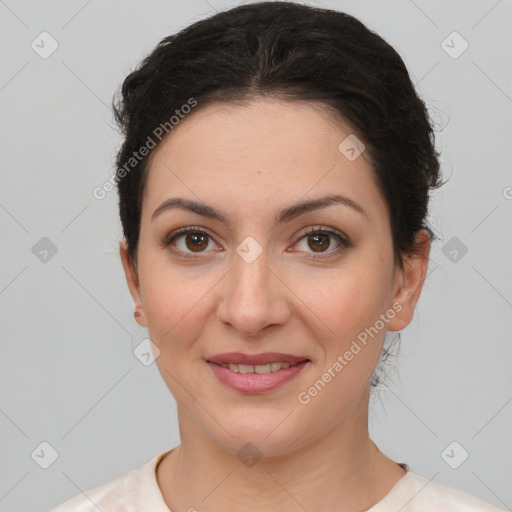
(251, 301)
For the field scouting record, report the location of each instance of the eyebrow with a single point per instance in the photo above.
(285, 215)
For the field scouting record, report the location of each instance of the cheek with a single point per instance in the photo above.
(172, 304)
(344, 303)
(175, 313)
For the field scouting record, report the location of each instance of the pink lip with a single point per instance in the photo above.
(253, 382)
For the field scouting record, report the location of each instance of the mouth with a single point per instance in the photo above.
(264, 358)
(256, 373)
(260, 369)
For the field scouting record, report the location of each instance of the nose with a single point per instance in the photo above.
(253, 297)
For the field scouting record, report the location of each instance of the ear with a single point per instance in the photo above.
(132, 279)
(409, 282)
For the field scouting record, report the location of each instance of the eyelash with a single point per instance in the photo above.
(344, 242)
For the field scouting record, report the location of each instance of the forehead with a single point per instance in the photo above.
(265, 152)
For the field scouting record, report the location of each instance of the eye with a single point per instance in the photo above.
(319, 240)
(189, 241)
(192, 241)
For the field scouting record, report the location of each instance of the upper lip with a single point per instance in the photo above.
(255, 359)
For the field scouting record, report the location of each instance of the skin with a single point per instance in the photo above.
(251, 162)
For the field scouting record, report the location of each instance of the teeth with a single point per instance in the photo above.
(258, 368)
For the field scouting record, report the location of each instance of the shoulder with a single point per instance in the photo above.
(123, 494)
(118, 494)
(415, 493)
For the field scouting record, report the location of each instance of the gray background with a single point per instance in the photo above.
(68, 374)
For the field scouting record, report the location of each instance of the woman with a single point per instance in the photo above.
(273, 185)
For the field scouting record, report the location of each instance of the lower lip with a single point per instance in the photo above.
(254, 382)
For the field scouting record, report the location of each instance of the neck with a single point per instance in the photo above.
(342, 470)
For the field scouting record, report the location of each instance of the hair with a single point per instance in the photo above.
(291, 52)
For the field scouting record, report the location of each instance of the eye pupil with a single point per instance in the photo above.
(198, 241)
(317, 238)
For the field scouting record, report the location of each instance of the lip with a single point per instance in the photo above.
(254, 359)
(254, 383)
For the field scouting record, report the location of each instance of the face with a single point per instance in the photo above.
(254, 275)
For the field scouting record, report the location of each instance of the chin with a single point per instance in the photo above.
(265, 438)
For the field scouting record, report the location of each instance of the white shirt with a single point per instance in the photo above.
(138, 491)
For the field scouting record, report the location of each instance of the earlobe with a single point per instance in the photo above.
(410, 281)
(132, 279)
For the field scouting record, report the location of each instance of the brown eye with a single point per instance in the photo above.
(319, 242)
(196, 242)
(188, 241)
